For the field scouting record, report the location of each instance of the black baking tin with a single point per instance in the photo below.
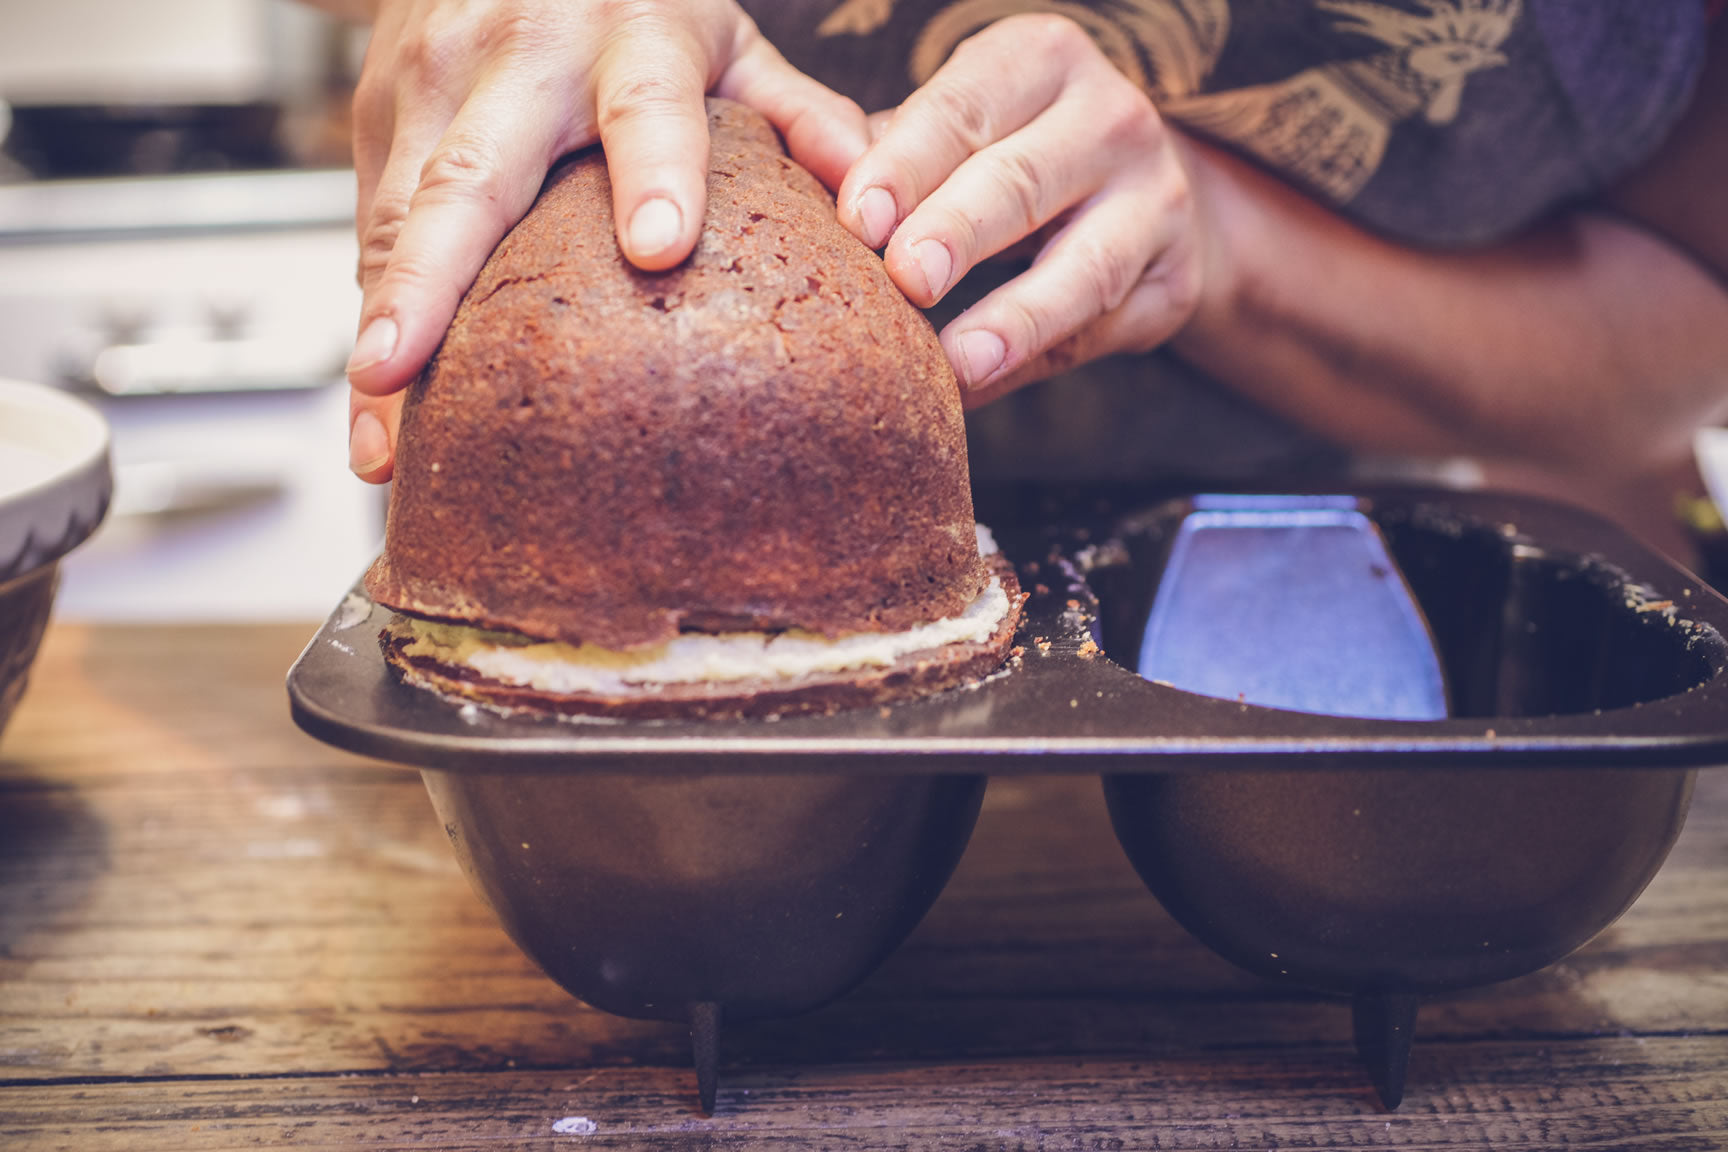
(1632, 685)
(707, 869)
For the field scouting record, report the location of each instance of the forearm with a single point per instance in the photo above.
(1588, 343)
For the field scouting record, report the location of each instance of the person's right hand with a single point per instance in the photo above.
(464, 105)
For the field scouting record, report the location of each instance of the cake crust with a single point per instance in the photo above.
(768, 436)
(915, 675)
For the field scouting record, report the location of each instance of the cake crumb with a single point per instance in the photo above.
(355, 610)
(1088, 648)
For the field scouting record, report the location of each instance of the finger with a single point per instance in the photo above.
(1118, 331)
(392, 189)
(824, 131)
(1098, 128)
(373, 110)
(475, 184)
(964, 108)
(1008, 191)
(373, 423)
(1114, 251)
(649, 86)
(374, 128)
(411, 85)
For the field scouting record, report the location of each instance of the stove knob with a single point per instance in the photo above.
(230, 320)
(123, 324)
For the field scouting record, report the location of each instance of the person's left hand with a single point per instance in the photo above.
(1029, 131)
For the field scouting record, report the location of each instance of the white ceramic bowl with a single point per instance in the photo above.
(55, 484)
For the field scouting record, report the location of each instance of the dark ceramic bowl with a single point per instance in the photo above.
(1380, 883)
(55, 484)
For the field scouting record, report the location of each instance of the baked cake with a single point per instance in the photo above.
(641, 493)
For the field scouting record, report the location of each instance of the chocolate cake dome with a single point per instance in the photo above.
(614, 468)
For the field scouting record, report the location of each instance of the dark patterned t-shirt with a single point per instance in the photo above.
(1433, 122)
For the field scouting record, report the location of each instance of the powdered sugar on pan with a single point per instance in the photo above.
(354, 610)
(575, 1126)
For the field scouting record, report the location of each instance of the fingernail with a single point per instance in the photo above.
(936, 264)
(655, 226)
(981, 354)
(376, 344)
(877, 211)
(368, 444)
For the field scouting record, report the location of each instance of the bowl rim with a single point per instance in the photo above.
(50, 515)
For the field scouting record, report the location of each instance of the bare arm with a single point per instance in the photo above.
(1594, 344)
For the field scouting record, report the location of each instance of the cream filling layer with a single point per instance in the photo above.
(571, 669)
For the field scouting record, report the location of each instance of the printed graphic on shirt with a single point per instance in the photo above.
(1326, 126)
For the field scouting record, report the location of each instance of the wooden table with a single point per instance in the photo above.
(216, 932)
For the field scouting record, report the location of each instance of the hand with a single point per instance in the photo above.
(1028, 131)
(463, 107)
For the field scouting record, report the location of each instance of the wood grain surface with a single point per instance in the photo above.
(216, 932)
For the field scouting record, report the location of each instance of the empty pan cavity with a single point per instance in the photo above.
(1382, 883)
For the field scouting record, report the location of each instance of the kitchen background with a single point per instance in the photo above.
(176, 245)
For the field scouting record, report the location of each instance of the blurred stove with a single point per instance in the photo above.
(208, 317)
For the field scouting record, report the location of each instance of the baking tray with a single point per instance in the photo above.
(1572, 682)
(1067, 704)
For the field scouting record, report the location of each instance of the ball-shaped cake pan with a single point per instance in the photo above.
(1384, 884)
(657, 886)
(55, 485)
(707, 897)
(1539, 689)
